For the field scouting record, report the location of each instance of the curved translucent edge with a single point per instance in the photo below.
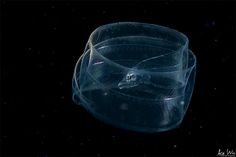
(191, 65)
(76, 87)
(167, 30)
(128, 68)
(151, 72)
(163, 28)
(100, 45)
(79, 99)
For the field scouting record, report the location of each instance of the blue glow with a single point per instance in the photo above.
(136, 76)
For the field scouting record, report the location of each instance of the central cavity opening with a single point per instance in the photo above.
(141, 51)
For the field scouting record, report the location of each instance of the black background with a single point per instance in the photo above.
(40, 44)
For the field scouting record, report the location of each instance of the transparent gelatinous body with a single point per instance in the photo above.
(136, 76)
